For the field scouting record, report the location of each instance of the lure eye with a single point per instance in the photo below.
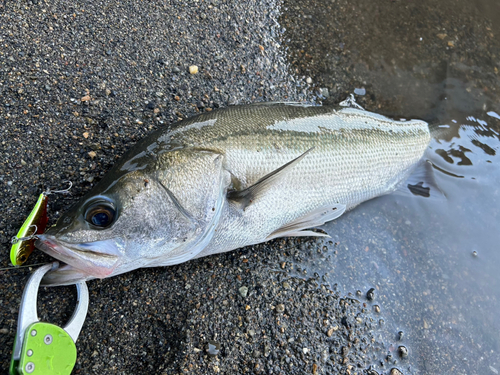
(100, 215)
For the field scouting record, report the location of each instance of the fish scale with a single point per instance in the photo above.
(220, 173)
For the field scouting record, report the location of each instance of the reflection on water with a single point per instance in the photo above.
(434, 264)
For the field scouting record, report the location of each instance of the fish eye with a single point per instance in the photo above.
(100, 214)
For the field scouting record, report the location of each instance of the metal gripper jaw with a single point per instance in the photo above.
(44, 348)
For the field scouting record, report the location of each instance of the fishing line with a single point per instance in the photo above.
(18, 267)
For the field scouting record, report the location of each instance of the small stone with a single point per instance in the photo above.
(213, 348)
(251, 332)
(247, 307)
(92, 154)
(286, 285)
(309, 80)
(329, 333)
(451, 44)
(193, 69)
(403, 351)
(86, 98)
(305, 350)
(474, 253)
(360, 91)
(376, 308)
(370, 295)
(395, 371)
(85, 135)
(400, 335)
(23, 162)
(325, 92)
(243, 291)
(315, 368)
(280, 308)
(4, 331)
(442, 36)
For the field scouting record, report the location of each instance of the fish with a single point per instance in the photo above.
(231, 178)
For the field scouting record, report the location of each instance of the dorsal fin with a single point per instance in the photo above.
(247, 196)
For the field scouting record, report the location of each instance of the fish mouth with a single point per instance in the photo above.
(82, 261)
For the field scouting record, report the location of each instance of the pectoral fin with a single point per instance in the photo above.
(247, 196)
(312, 219)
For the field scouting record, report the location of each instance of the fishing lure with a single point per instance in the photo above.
(23, 243)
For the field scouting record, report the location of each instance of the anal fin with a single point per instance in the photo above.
(314, 218)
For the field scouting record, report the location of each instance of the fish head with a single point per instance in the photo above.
(146, 218)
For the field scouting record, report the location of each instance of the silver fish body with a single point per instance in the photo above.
(228, 179)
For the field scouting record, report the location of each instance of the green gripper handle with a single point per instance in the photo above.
(47, 350)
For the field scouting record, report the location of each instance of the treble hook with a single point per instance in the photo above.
(15, 239)
(64, 191)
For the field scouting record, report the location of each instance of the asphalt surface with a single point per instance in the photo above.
(81, 82)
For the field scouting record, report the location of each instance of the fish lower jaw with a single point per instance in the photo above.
(78, 264)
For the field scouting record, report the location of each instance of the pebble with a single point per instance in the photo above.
(370, 295)
(403, 351)
(193, 69)
(400, 335)
(280, 308)
(243, 291)
(395, 371)
(360, 91)
(213, 348)
(309, 80)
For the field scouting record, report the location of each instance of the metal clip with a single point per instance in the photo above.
(35, 341)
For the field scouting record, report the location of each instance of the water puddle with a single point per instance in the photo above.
(432, 264)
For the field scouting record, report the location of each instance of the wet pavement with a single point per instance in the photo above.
(405, 283)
